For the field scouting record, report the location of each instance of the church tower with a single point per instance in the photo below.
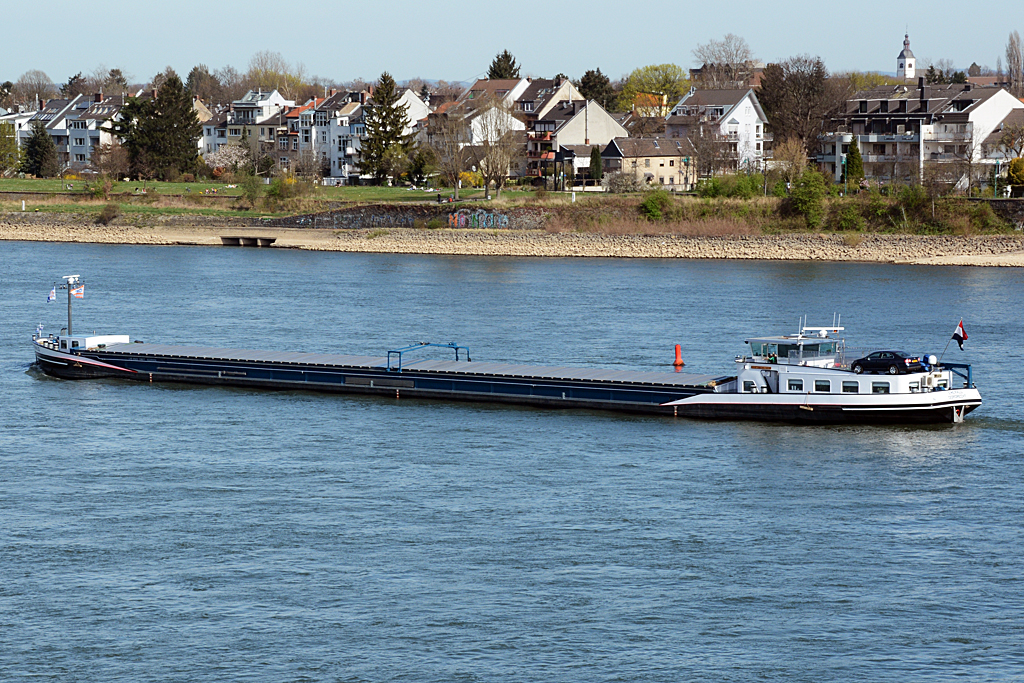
(905, 62)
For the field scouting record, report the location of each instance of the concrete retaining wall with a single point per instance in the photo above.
(418, 215)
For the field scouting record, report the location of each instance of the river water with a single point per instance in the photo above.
(162, 533)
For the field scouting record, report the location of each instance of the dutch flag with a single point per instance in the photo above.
(52, 296)
(960, 335)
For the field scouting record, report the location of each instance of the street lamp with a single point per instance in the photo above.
(846, 179)
(995, 182)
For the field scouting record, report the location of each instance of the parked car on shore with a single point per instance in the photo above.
(892, 362)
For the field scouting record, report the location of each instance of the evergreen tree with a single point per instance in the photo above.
(385, 122)
(596, 165)
(76, 85)
(41, 153)
(595, 86)
(854, 162)
(503, 66)
(425, 93)
(160, 134)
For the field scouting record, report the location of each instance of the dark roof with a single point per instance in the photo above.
(716, 98)
(948, 99)
(1014, 118)
(649, 147)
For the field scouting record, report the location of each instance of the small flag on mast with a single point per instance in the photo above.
(52, 296)
(960, 335)
(79, 292)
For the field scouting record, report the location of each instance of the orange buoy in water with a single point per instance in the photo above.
(679, 357)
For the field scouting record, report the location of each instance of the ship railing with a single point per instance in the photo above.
(956, 368)
(400, 353)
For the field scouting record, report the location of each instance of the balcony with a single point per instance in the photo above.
(540, 137)
(946, 136)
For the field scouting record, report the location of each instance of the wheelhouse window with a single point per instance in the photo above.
(879, 387)
(823, 385)
(850, 387)
(749, 387)
(795, 385)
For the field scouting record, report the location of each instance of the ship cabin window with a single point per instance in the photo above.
(64, 343)
(914, 387)
(789, 352)
(879, 387)
(942, 384)
(823, 385)
(749, 387)
(74, 344)
(851, 387)
(795, 385)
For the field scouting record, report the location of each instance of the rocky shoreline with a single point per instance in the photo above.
(997, 250)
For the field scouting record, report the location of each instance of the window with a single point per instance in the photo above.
(295, 144)
(282, 143)
(823, 385)
(80, 142)
(220, 132)
(879, 387)
(323, 137)
(850, 387)
(305, 136)
(527, 106)
(235, 131)
(647, 163)
(883, 107)
(671, 162)
(749, 387)
(796, 385)
(79, 157)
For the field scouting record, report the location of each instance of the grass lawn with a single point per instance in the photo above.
(352, 193)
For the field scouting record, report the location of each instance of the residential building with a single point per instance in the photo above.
(541, 95)
(733, 117)
(669, 162)
(568, 123)
(901, 130)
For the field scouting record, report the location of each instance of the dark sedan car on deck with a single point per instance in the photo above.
(892, 362)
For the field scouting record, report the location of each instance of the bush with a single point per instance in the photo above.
(846, 217)
(912, 197)
(654, 205)
(807, 197)
(107, 214)
(709, 188)
(436, 223)
(779, 189)
(620, 182)
(188, 178)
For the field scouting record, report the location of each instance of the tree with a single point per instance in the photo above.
(503, 66)
(596, 165)
(161, 133)
(6, 94)
(34, 86)
(269, 71)
(76, 85)
(10, 155)
(808, 197)
(655, 87)
(854, 162)
(721, 61)
(233, 84)
(1015, 65)
(233, 157)
(1015, 172)
(1011, 139)
(797, 96)
(710, 148)
(116, 80)
(448, 134)
(422, 163)
(40, 157)
(203, 84)
(385, 124)
(595, 86)
(790, 157)
(112, 160)
(501, 145)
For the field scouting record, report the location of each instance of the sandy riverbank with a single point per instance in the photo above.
(1002, 250)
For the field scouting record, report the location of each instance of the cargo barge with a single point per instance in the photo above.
(806, 384)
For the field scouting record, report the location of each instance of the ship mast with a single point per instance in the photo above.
(72, 280)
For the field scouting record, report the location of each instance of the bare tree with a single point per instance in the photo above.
(965, 153)
(722, 61)
(503, 145)
(270, 71)
(798, 97)
(1012, 140)
(1015, 65)
(232, 84)
(33, 86)
(790, 158)
(111, 160)
(448, 134)
(711, 148)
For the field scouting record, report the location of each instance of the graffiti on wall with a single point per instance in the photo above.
(477, 219)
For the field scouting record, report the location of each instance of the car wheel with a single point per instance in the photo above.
(857, 369)
(893, 370)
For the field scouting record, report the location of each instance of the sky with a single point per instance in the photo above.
(455, 40)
